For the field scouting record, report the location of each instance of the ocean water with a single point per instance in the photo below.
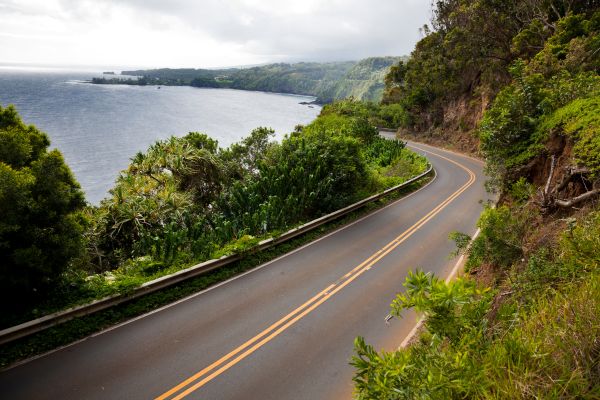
(98, 128)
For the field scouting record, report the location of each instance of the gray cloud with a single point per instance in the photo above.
(270, 30)
(349, 29)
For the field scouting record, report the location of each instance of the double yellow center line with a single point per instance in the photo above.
(204, 376)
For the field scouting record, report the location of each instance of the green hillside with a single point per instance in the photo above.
(362, 80)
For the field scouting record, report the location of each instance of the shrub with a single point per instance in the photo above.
(500, 240)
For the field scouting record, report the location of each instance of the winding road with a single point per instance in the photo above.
(284, 330)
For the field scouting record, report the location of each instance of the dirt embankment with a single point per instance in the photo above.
(458, 128)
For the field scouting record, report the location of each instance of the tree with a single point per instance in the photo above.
(39, 201)
(248, 153)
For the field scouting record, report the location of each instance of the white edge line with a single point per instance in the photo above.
(456, 153)
(410, 142)
(129, 321)
(460, 261)
(421, 320)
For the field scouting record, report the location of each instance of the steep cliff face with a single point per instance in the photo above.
(478, 48)
(364, 81)
(459, 119)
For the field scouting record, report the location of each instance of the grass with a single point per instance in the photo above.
(554, 350)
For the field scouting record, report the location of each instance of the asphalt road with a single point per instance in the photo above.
(284, 330)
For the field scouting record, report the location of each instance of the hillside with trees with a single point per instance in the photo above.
(362, 80)
(518, 84)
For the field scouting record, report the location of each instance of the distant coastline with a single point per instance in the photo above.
(327, 82)
(144, 82)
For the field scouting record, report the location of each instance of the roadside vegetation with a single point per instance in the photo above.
(523, 320)
(78, 328)
(183, 201)
(390, 116)
(40, 201)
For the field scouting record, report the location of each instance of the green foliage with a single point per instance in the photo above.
(580, 119)
(305, 176)
(202, 141)
(364, 81)
(250, 152)
(553, 351)
(554, 94)
(524, 114)
(506, 128)
(154, 208)
(241, 245)
(521, 191)
(186, 198)
(394, 116)
(451, 310)
(40, 230)
(383, 152)
(381, 115)
(416, 84)
(473, 43)
(462, 242)
(442, 366)
(572, 47)
(469, 49)
(580, 243)
(541, 342)
(500, 239)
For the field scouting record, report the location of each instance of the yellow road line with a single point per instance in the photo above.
(241, 352)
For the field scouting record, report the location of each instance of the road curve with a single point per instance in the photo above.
(284, 330)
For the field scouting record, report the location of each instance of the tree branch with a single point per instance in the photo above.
(547, 187)
(569, 177)
(578, 199)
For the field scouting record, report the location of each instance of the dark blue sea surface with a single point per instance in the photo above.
(98, 128)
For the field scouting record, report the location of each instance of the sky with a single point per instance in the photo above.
(205, 33)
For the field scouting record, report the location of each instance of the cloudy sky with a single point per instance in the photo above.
(205, 33)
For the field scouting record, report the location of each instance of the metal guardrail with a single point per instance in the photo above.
(47, 321)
